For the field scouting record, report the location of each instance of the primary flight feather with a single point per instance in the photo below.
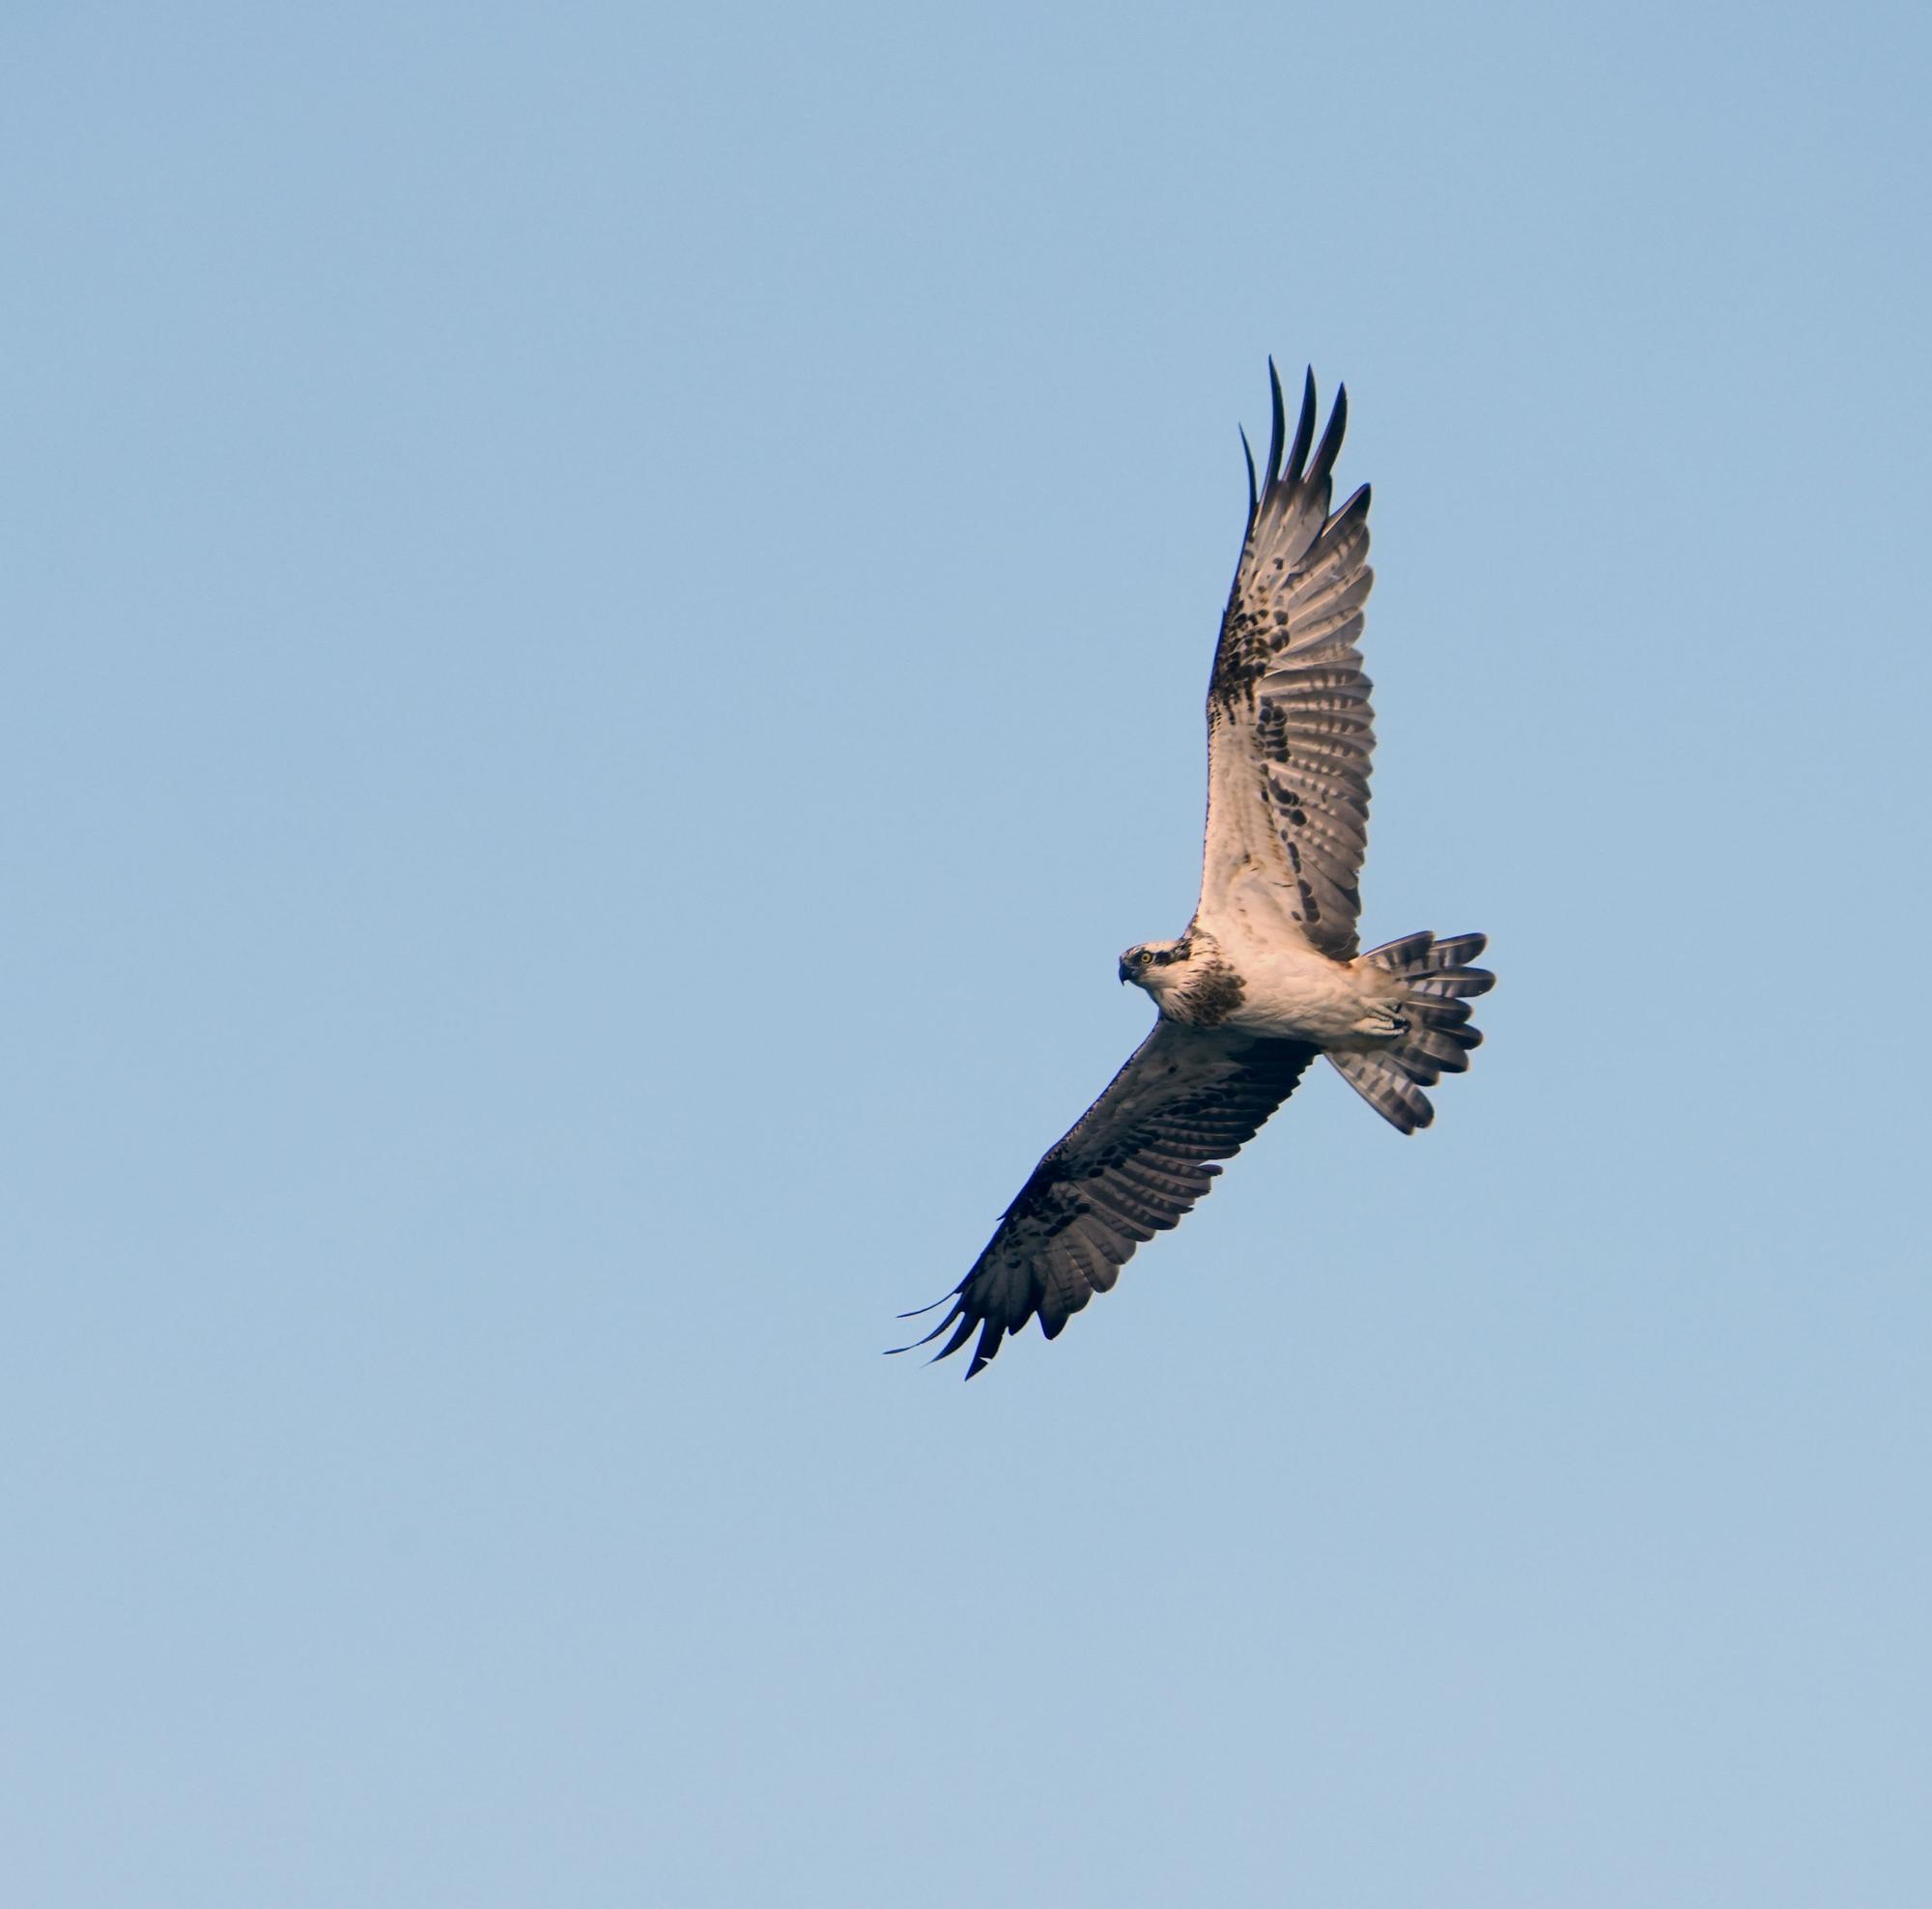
(1267, 976)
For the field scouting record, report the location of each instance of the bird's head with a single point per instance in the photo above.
(1155, 965)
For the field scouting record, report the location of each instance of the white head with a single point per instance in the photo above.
(1159, 966)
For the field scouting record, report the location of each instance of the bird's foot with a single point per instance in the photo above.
(1387, 1022)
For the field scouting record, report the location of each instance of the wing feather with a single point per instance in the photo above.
(1130, 1167)
(1290, 730)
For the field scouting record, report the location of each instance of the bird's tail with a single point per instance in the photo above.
(1434, 1035)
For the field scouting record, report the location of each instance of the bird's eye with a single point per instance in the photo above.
(1145, 957)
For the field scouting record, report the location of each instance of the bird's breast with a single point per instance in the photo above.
(1289, 993)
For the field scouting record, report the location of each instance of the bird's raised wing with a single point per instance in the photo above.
(1290, 730)
(1137, 1159)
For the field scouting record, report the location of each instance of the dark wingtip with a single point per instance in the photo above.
(1254, 498)
(1304, 429)
(926, 1339)
(959, 1337)
(992, 1333)
(1278, 425)
(1331, 438)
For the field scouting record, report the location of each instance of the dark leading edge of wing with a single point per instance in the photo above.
(1132, 1165)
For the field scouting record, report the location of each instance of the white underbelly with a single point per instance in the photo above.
(1299, 994)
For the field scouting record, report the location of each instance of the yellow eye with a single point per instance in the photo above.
(1145, 957)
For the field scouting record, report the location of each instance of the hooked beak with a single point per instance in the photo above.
(1126, 974)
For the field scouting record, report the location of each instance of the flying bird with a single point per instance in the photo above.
(1268, 975)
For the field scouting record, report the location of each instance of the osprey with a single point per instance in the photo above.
(1267, 976)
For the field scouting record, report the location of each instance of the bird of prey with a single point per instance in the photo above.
(1268, 975)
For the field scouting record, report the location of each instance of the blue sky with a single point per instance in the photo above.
(606, 614)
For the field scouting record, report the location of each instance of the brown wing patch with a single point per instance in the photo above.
(1208, 1000)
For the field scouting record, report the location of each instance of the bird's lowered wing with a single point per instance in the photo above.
(1136, 1160)
(1290, 730)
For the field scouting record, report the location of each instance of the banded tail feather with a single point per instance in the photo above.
(1438, 983)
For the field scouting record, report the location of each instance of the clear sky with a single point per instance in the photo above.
(606, 610)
